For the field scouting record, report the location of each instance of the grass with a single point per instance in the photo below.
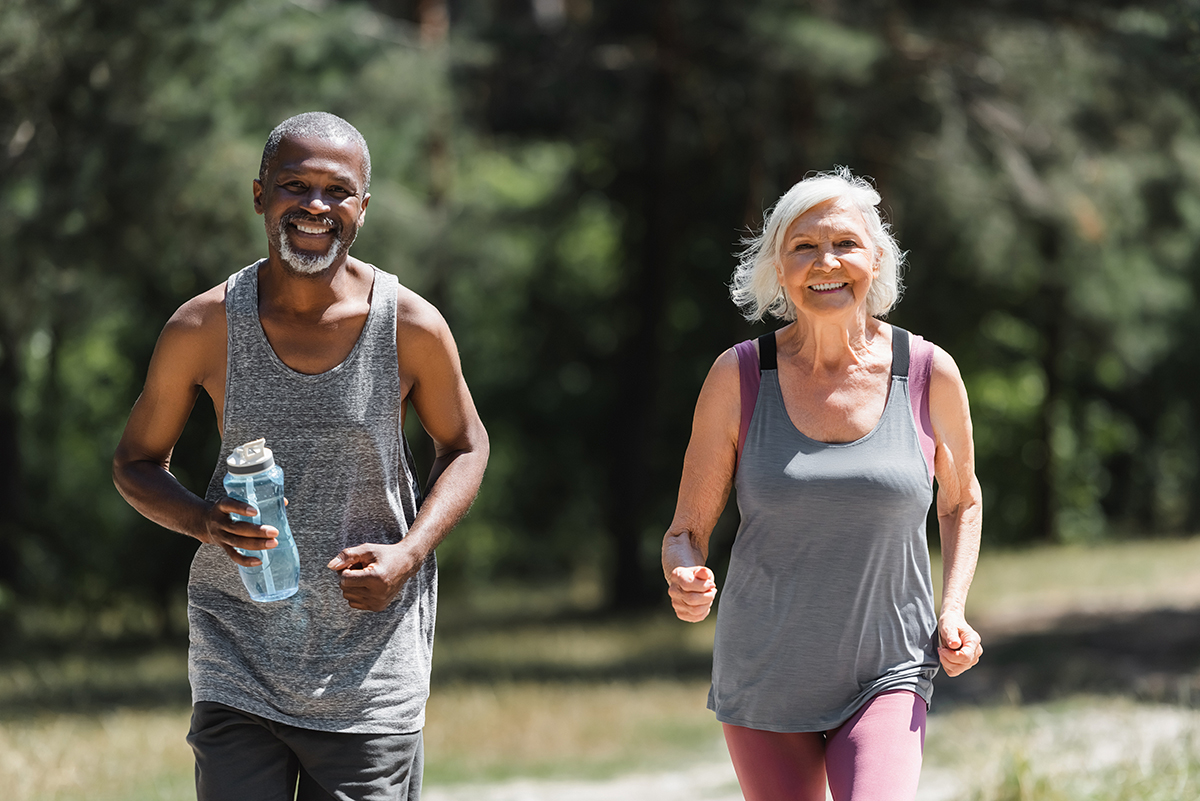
(1035, 584)
(119, 755)
(589, 730)
(1100, 749)
(536, 684)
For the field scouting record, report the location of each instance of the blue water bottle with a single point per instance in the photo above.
(254, 478)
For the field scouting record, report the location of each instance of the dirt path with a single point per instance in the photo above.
(1150, 656)
(1071, 746)
(704, 782)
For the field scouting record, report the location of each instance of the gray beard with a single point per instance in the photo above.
(308, 263)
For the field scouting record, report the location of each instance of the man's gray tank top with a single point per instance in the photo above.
(310, 660)
(828, 601)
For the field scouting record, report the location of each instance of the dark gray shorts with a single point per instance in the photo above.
(244, 757)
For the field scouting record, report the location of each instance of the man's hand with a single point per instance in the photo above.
(372, 575)
(221, 529)
(960, 646)
(692, 590)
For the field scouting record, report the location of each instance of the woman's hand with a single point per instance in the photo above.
(692, 590)
(960, 646)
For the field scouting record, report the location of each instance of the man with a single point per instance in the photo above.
(321, 695)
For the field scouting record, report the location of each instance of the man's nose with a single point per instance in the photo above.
(315, 203)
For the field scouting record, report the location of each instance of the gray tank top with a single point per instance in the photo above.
(828, 600)
(310, 660)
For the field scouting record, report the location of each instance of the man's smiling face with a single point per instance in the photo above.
(313, 201)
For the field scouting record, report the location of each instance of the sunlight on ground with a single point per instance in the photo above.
(1076, 748)
(1015, 588)
(592, 736)
(125, 755)
(536, 700)
(530, 729)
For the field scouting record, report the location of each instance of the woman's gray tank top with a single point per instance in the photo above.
(310, 660)
(828, 600)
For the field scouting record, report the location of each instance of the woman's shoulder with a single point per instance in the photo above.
(721, 391)
(725, 368)
(928, 356)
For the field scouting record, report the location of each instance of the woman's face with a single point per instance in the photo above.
(827, 262)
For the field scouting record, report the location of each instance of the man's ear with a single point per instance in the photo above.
(362, 210)
(258, 196)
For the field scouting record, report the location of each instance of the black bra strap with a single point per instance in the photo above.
(766, 352)
(900, 351)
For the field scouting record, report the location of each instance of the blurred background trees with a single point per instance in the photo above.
(567, 181)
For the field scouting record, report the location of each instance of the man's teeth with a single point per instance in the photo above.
(312, 228)
(827, 287)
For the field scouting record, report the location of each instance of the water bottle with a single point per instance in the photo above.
(254, 478)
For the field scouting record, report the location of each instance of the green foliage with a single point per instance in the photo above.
(136, 130)
(569, 191)
(1061, 167)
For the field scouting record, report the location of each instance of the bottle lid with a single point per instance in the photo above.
(253, 457)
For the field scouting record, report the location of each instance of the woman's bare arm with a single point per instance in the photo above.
(708, 469)
(959, 511)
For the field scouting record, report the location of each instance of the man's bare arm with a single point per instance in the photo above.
(372, 574)
(189, 354)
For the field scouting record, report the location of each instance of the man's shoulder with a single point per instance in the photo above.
(415, 314)
(191, 347)
(423, 339)
(203, 315)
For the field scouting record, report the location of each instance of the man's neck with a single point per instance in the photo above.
(284, 290)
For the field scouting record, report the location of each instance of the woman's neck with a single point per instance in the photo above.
(830, 345)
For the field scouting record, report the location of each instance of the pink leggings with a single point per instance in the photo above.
(874, 756)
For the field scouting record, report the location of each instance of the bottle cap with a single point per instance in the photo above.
(253, 457)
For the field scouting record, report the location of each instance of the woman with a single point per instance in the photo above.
(832, 429)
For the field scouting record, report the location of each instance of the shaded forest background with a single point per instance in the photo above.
(567, 181)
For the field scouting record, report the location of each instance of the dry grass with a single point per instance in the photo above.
(120, 755)
(479, 732)
(1028, 587)
(1099, 749)
(533, 683)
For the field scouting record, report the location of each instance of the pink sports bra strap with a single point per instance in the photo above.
(750, 378)
(919, 375)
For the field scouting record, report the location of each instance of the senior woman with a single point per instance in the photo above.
(832, 429)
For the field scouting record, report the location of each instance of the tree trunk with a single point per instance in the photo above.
(1045, 510)
(11, 493)
(633, 582)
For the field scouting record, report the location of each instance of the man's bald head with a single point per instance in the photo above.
(315, 125)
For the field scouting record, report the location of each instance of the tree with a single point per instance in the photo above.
(1011, 142)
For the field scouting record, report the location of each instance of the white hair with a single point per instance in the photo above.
(755, 288)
